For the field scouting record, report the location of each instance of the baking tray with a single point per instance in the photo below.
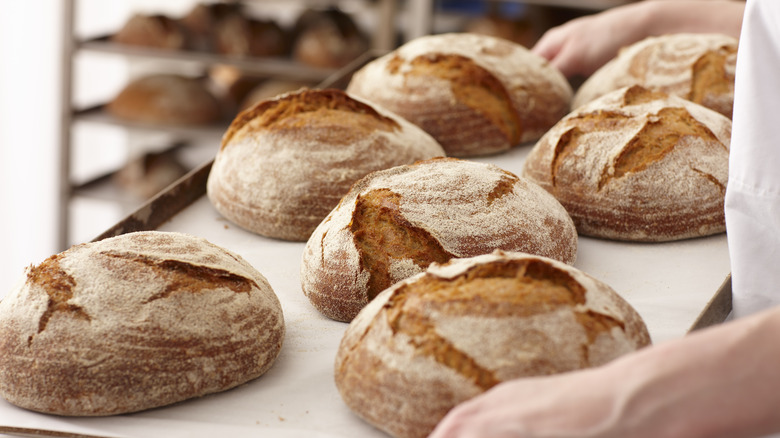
(675, 286)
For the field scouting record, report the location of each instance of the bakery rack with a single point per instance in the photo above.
(395, 21)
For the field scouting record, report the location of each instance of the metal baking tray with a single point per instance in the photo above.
(676, 287)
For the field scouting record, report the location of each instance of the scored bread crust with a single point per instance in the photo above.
(697, 67)
(637, 165)
(475, 94)
(166, 98)
(446, 335)
(444, 207)
(135, 322)
(285, 163)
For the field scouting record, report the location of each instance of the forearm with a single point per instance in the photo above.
(696, 16)
(721, 382)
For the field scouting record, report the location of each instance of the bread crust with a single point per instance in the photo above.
(446, 335)
(285, 163)
(697, 67)
(475, 94)
(166, 99)
(637, 165)
(392, 224)
(135, 322)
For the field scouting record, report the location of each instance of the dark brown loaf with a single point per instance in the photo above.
(134, 322)
(475, 94)
(453, 332)
(327, 39)
(285, 163)
(394, 223)
(637, 165)
(166, 99)
(697, 67)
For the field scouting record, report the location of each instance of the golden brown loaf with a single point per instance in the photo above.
(155, 31)
(285, 163)
(134, 322)
(394, 223)
(697, 67)
(453, 332)
(637, 165)
(166, 99)
(475, 94)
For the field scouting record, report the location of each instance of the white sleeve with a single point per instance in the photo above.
(753, 192)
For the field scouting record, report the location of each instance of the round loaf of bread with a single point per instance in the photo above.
(444, 336)
(166, 99)
(697, 67)
(475, 94)
(155, 31)
(285, 163)
(637, 165)
(394, 223)
(328, 38)
(135, 322)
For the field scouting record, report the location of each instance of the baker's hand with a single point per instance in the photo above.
(572, 405)
(581, 46)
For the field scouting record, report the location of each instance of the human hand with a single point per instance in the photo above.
(573, 405)
(581, 46)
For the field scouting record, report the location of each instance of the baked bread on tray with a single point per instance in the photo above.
(446, 335)
(394, 223)
(135, 322)
(285, 162)
(699, 67)
(637, 165)
(475, 94)
(165, 98)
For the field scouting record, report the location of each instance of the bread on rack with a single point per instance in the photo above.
(286, 162)
(135, 322)
(327, 38)
(451, 333)
(227, 29)
(164, 98)
(697, 67)
(637, 165)
(152, 30)
(394, 223)
(475, 94)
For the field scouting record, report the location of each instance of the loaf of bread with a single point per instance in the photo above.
(444, 336)
(166, 99)
(135, 322)
(285, 163)
(475, 94)
(637, 165)
(697, 67)
(155, 31)
(327, 38)
(227, 29)
(394, 223)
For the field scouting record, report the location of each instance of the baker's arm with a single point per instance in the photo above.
(720, 382)
(582, 45)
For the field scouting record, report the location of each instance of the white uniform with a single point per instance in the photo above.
(753, 193)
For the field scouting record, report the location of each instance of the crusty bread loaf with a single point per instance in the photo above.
(637, 165)
(285, 163)
(166, 99)
(475, 94)
(327, 38)
(697, 67)
(134, 322)
(453, 332)
(155, 31)
(394, 223)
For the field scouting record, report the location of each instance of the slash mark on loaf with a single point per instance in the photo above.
(59, 286)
